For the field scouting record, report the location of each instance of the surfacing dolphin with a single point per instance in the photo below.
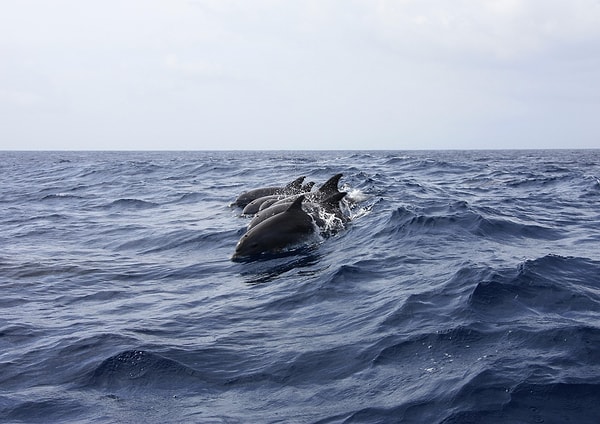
(276, 233)
(331, 205)
(255, 205)
(265, 201)
(292, 188)
(328, 189)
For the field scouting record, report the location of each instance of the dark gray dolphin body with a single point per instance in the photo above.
(254, 206)
(330, 205)
(277, 232)
(291, 188)
(267, 204)
(268, 213)
(257, 204)
(330, 188)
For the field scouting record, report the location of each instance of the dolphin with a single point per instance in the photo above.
(328, 216)
(269, 212)
(328, 189)
(308, 187)
(330, 205)
(254, 206)
(276, 233)
(265, 201)
(248, 196)
(267, 204)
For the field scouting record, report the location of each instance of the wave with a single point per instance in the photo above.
(331, 364)
(133, 204)
(133, 369)
(191, 198)
(458, 218)
(49, 408)
(185, 239)
(61, 196)
(557, 402)
(548, 284)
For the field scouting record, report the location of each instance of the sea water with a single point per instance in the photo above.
(465, 288)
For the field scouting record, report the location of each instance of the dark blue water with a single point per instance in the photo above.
(466, 289)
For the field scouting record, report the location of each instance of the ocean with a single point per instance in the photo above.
(464, 289)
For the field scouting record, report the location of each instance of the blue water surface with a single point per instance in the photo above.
(465, 289)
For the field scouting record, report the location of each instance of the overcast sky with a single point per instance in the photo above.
(291, 74)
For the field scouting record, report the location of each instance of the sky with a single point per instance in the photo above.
(299, 75)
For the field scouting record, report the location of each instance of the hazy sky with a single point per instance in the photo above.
(291, 74)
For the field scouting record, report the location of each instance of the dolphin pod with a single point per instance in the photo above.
(287, 217)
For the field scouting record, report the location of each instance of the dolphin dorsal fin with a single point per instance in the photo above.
(331, 185)
(297, 204)
(296, 184)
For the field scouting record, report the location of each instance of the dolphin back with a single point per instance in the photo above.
(291, 188)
